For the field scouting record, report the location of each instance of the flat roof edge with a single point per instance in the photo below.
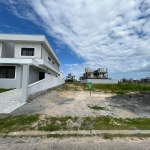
(28, 38)
(49, 46)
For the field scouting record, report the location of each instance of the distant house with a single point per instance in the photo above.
(100, 73)
(97, 76)
(28, 62)
(145, 80)
(131, 80)
(70, 78)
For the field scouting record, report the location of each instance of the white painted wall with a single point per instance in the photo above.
(33, 74)
(18, 46)
(51, 72)
(49, 82)
(101, 81)
(8, 50)
(45, 56)
(13, 83)
(0, 49)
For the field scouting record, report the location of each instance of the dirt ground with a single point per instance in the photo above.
(82, 143)
(76, 103)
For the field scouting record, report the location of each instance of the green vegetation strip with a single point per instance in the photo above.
(33, 122)
(112, 136)
(17, 123)
(4, 90)
(120, 88)
(68, 135)
(105, 135)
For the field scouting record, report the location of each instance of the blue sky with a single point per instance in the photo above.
(97, 34)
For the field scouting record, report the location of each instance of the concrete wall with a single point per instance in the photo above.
(51, 72)
(0, 49)
(37, 52)
(45, 56)
(34, 74)
(47, 83)
(101, 81)
(13, 83)
(8, 50)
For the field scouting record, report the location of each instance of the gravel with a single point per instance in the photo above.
(138, 103)
(75, 103)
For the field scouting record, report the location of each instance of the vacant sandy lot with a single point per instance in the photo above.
(76, 103)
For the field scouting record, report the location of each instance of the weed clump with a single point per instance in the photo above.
(97, 107)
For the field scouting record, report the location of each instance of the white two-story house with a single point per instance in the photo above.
(28, 62)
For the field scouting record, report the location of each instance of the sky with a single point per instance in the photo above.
(110, 34)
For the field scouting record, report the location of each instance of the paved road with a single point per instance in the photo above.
(94, 143)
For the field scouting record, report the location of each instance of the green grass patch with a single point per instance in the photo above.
(49, 127)
(71, 86)
(17, 123)
(97, 107)
(110, 123)
(55, 123)
(33, 122)
(120, 88)
(121, 92)
(112, 136)
(95, 123)
(67, 135)
(4, 90)
(67, 87)
(104, 136)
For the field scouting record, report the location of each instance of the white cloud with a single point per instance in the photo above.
(57, 51)
(111, 34)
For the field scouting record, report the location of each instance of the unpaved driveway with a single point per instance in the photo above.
(75, 103)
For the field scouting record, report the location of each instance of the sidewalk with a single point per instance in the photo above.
(78, 143)
(36, 140)
(10, 101)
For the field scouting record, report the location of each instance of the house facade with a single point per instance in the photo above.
(100, 73)
(70, 78)
(145, 80)
(27, 61)
(97, 76)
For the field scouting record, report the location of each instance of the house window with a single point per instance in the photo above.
(53, 62)
(27, 51)
(41, 75)
(49, 58)
(7, 72)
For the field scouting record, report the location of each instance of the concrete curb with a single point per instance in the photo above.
(79, 132)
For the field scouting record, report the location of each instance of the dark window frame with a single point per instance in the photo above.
(49, 58)
(5, 70)
(53, 62)
(27, 51)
